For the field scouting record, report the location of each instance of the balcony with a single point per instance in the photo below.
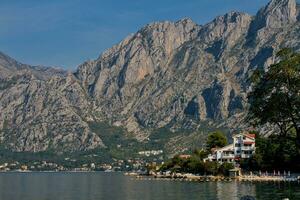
(246, 155)
(244, 148)
(228, 156)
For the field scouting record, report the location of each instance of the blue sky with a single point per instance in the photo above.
(66, 33)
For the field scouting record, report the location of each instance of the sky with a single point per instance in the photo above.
(65, 33)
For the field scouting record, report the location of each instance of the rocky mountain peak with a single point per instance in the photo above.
(277, 13)
(171, 76)
(232, 23)
(185, 27)
(138, 56)
(232, 17)
(7, 62)
(186, 21)
(156, 35)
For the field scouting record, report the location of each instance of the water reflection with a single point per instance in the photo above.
(235, 190)
(98, 186)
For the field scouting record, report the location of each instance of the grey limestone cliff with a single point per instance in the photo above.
(174, 75)
(43, 108)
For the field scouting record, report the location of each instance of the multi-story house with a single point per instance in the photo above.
(243, 147)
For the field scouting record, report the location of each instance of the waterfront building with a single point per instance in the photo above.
(243, 147)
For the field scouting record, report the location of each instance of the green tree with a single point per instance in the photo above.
(275, 98)
(225, 167)
(216, 139)
(275, 152)
(211, 168)
(200, 153)
(195, 165)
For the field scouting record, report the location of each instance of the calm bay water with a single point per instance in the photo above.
(115, 186)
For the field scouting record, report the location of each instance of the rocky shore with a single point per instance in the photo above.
(196, 178)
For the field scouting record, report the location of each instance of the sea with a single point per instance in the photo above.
(116, 186)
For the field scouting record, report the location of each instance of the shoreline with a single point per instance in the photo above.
(28, 172)
(179, 177)
(194, 178)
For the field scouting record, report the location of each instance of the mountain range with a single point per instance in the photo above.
(169, 83)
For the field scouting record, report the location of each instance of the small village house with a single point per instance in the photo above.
(184, 156)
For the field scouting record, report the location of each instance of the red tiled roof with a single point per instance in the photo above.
(184, 156)
(251, 135)
(248, 142)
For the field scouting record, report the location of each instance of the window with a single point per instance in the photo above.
(237, 145)
(247, 152)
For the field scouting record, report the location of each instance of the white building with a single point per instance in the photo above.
(243, 146)
(151, 153)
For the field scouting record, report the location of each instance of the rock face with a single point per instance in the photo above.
(181, 74)
(278, 13)
(174, 75)
(128, 80)
(43, 108)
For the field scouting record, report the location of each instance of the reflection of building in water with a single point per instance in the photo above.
(227, 190)
(234, 190)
